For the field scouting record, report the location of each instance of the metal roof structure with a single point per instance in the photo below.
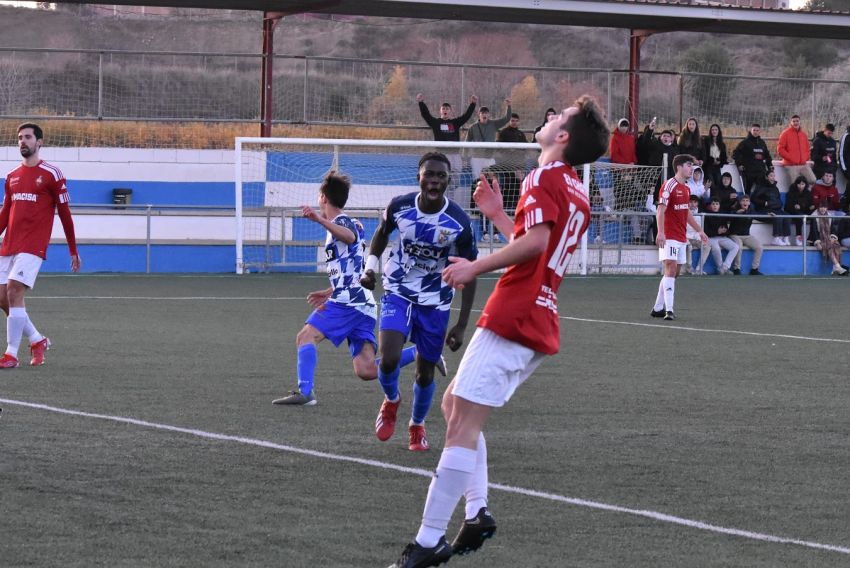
(655, 15)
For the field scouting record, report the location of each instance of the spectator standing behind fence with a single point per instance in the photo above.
(714, 155)
(446, 128)
(485, 130)
(844, 154)
(739, 231)
(825, 192)
(550, 112)
(510, 164)
(623, 149)
(690, 141)
(824, 151)
(653, 151)
(752, 158)
(628, 193)
(799, 202)
(717, 229)
(793, 148)
(726, 193)
(694, 240)
(766, 199)
(828, 241)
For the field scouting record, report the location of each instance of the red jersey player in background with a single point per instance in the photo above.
(672, 216)
(518, 327)
(34, 191)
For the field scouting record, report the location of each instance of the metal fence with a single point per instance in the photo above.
(359, 98)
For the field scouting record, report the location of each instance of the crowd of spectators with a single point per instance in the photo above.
(809, 166)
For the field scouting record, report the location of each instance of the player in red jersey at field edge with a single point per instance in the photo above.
(34, 191)
(673, 215)
(519, 325)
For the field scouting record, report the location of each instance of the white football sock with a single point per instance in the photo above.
(31, 332)
(476, 491)
(669, 285)
(15, 324)
(659, 298)
(447, 486)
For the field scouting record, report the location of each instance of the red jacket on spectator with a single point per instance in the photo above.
(822, 193)
(793, 147)
(623, 148)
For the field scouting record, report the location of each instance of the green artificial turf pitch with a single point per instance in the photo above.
(735, 416)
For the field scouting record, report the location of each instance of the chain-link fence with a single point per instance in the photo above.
(206, 99)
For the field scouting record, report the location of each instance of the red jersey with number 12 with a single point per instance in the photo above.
(524, 306)
(675, 196)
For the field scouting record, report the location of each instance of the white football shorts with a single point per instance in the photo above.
(492, 368)
(22, 267)
(673, 250)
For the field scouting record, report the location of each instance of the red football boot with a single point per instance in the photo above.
(418, 441)
(37, 349)
(385, 423)
(8, 362)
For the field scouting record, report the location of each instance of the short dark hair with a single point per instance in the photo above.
(829, 126)
(436, 156)
(335, 188)
(755, 125)
(793, 116)
(681, 159)
(516, 116)
(668, 131)
(484, 109)
(36, 129)
(445, 105)
(589, 132)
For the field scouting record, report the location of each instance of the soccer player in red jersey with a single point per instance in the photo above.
(518, 327)
(34, 190)
(672, 216)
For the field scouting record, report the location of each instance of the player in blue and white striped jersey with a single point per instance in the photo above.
(346, 310)
(428, 228)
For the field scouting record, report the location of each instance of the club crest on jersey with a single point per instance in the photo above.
(444, 236)
(39, 180)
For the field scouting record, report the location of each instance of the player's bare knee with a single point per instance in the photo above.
(365, 370)
(306, 336)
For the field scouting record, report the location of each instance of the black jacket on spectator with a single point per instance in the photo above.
(724, 194)
(823, 146)
(741, 225)
(711, 225)
(695, 150)
(652, 151)
(801, 198)
(766, 197)
(446, 130)
(752, 153)
(706, 153)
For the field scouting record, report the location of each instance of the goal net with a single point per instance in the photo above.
(276, 177)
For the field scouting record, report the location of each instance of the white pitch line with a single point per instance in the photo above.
(704, 330)
(654, 515)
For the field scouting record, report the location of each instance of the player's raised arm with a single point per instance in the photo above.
(533, 243)
(488, 198)
(339, 232)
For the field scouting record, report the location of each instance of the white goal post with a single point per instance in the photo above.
(276, 176)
